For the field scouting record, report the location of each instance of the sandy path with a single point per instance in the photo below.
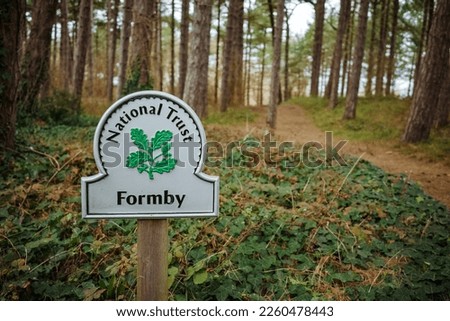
(294, 124)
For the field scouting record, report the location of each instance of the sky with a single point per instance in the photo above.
(303, 15)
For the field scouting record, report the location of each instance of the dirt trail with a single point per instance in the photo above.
(294, 124)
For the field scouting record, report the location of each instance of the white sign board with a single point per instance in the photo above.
(149, 148)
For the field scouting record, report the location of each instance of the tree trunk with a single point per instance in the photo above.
(272, 20)
(228, 59)
(344, 16)
(36, 59)
(248, 68)
(55, 45)
(65, 69)
(443, 107)
(158, 51)
(432, 71)
(353, 85)
(317, 46)
(275, 76)
(196, 88)
(124, 43)
(184, 46)
(45, 88)
(248, 58)
(287, 92)
(83, 36)
(12, 23)
(263, 72)
(112, 31)
(216, 75)
(371, 59)
(236, 79)
(90, 67)
(392, 48)
(348, 47)
(426, 24)
(139, 77)
(109, 8)
(172, 49)
(152, 19)
(384, 14)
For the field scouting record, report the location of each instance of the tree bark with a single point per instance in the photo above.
(65, 67)
(172, 49)
(12, 23)
(317, 46)
(90, 67)
(36, 59)
(124, 43)
(236, 79)
(228, 59)
(344, 16)
(109, 8)
(112, 31)
(196, 88)
(248, 56)
(381, 53)
(426, 24)
(272, 20)
(184, 46)
(348, 48)
(392, 48)
(432, 71)
(152, 19)
(158, 49)
(353, 85)
(287, 91)
(275, 76)
(443, 107)
(216, 75)
(371, 59)
(83, 36)
(248, 67)
(139, 76)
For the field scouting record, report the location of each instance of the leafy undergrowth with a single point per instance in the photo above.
(285, 232)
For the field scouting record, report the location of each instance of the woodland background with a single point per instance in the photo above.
(226, 54)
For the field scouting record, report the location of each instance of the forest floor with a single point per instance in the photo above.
(284, 232)
(295, 125)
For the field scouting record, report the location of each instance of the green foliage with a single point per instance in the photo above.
(301, 233)
(284, 232)
(144, 159)
(46, 251)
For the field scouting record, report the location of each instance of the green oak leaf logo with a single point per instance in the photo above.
(145, 160)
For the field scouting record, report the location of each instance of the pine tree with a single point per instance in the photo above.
(196, 88)
(433, 70)
(353, 85)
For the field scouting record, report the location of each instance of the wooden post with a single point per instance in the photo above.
(153, 242)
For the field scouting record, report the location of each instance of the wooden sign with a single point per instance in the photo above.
(149, 148)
